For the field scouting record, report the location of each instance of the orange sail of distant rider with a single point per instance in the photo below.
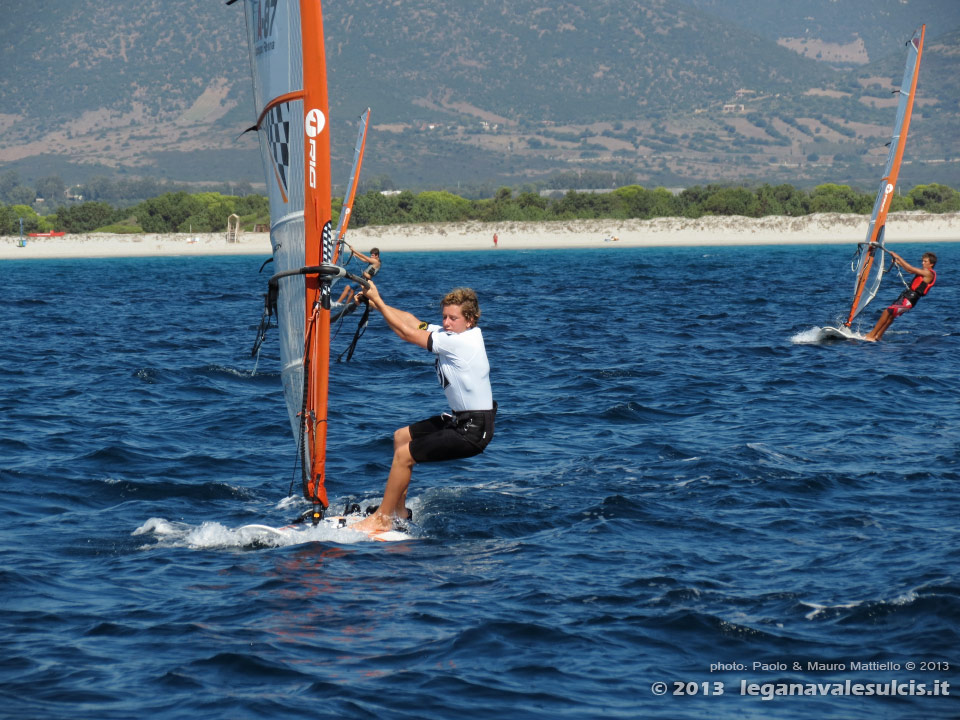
(870, 259)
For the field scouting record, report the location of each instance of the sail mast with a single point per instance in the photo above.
(318, 246)
(870, 269)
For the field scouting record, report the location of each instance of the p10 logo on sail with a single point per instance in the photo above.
(313, 124)
(887, 195)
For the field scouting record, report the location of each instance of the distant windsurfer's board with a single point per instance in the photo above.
(839, 333)
(327, 528)
(339, 310)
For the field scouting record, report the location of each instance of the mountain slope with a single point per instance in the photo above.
(670, 91)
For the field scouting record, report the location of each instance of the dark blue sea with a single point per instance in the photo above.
(692, 508)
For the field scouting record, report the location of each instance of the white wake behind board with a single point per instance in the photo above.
(328, 530)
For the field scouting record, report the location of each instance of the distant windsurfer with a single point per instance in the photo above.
(373, 267)
(924, 279)
(464, 374)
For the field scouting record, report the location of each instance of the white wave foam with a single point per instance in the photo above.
(210, 535)
(813, 335)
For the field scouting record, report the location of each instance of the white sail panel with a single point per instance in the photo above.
(273, 33)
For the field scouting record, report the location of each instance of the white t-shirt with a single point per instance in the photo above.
(462, 368)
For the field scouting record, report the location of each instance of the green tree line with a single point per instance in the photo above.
(171, 212)
(51, 193)
(208, 211)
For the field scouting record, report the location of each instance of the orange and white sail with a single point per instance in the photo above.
(288, 64)
(346, 208)
(869, 263)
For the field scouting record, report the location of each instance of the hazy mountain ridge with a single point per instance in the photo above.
(878, 26)
(79, 57)
(561, 63)
(163, 89)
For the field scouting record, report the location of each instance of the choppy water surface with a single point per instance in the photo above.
(683, 478)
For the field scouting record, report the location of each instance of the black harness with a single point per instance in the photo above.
(917, 289)
(474, 426)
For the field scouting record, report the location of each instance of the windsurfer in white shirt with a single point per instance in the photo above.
(464, 374)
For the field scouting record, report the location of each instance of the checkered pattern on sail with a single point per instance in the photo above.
(326, 258)
(278, 140)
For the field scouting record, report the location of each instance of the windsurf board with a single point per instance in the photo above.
(839, 333)
(299, 532)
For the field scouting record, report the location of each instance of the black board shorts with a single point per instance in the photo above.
(451, 437)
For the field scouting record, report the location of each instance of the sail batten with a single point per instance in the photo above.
(870, 266)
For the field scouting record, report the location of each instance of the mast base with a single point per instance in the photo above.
(314, 515)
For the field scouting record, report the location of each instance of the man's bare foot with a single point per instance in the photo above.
(374, 523)
(867, 338)
(407, 512)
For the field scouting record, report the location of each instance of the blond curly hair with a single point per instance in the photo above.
(466, 298)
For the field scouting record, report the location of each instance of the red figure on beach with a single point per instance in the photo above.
(495, 239)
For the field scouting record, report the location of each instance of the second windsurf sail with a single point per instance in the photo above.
(869, 261)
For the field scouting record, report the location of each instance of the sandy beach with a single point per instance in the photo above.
(709, 231)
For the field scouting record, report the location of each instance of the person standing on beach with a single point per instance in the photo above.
(464, 374)
(373, 267)
(495, 239)
(924, 279)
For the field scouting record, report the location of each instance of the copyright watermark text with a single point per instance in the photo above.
(771, 690)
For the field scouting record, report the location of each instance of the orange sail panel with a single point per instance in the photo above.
(870, 260)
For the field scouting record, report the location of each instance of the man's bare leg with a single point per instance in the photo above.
(886, 318)
(401, 448)
(393, 504)
(345, 295)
